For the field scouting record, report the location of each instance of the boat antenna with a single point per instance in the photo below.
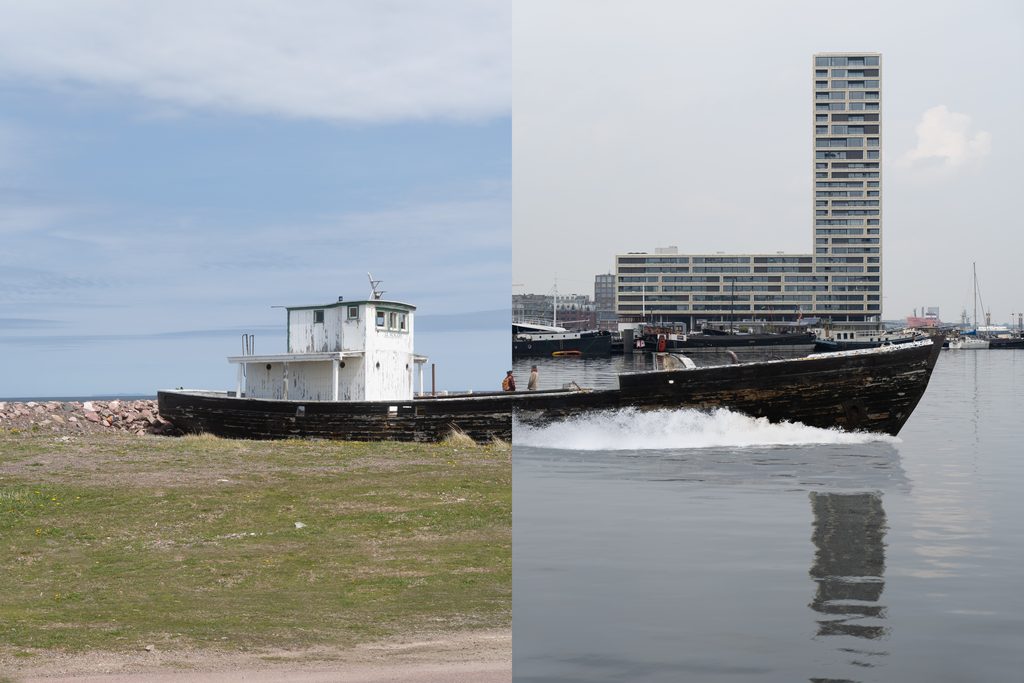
(375, 293)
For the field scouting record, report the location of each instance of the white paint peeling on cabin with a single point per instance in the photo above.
(339, 352)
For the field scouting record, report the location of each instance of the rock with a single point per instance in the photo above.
(114, 405)
(92, 416)
(88, 407)
(57, 418)
(150, 648)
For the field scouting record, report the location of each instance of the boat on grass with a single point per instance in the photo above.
(348, 374)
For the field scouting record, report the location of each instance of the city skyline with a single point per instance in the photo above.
(703, 143)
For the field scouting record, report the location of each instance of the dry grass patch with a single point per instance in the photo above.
(118, 541)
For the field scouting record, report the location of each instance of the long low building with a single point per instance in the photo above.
(840, 280)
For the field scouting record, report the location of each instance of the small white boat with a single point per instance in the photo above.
(968, 342)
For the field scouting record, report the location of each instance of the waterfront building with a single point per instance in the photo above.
(573, 311)
(840, 279)
(604, 301)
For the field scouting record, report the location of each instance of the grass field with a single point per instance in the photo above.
(116, 542)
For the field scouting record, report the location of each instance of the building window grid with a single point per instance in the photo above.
(857, 93)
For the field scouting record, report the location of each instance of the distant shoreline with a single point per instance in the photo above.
(81, 399)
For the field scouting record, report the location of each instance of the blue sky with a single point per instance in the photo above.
(166, 177)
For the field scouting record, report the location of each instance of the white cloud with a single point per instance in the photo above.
(344, 61)
(945, 138)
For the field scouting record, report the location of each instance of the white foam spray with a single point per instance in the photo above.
(630, 429)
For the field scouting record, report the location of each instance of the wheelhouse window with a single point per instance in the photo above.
(394, 321)
(403, 322)
(353, 312)
(381, 319)
(318, 316)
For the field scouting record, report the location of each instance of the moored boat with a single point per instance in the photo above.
(846, 340)
(968, 342)
(1006, 343)
(657, 341)
(546, 340)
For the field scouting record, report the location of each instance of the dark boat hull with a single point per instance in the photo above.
(1006, 343)
(586, 345)
(874, 390)
(481, 416)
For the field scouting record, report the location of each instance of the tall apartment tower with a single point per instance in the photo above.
(848, 185)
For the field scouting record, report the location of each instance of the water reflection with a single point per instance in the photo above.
(849, 567)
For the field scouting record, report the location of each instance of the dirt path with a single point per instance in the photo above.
(484, 657)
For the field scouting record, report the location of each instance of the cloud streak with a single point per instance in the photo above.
(350, 62)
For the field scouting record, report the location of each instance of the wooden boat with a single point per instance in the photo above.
(872, 390)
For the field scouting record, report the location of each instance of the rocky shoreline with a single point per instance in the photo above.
(70, 417)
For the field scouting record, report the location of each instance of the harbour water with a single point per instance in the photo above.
(678, 546)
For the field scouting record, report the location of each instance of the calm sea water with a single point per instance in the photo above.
(678, 546)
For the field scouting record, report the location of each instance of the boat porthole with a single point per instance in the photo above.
(378, 365)
(268, 366)
(341, 364)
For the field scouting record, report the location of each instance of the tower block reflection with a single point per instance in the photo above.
(849, 565)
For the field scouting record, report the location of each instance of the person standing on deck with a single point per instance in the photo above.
(509, 383)
(532, 384)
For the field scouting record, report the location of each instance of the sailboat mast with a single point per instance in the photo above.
(974, 269)
(554, 305)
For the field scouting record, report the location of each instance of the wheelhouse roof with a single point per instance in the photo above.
(335, 304)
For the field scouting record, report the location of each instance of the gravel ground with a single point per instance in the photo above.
(482, 656)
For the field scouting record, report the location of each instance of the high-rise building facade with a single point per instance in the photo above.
(848, 184)
(841, 279)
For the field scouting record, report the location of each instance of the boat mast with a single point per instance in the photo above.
(554, 305)
(974, 269)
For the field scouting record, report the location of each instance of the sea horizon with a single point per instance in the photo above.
(121, 396)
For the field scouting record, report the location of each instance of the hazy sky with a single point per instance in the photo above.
(646, 124)
(170, 171)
